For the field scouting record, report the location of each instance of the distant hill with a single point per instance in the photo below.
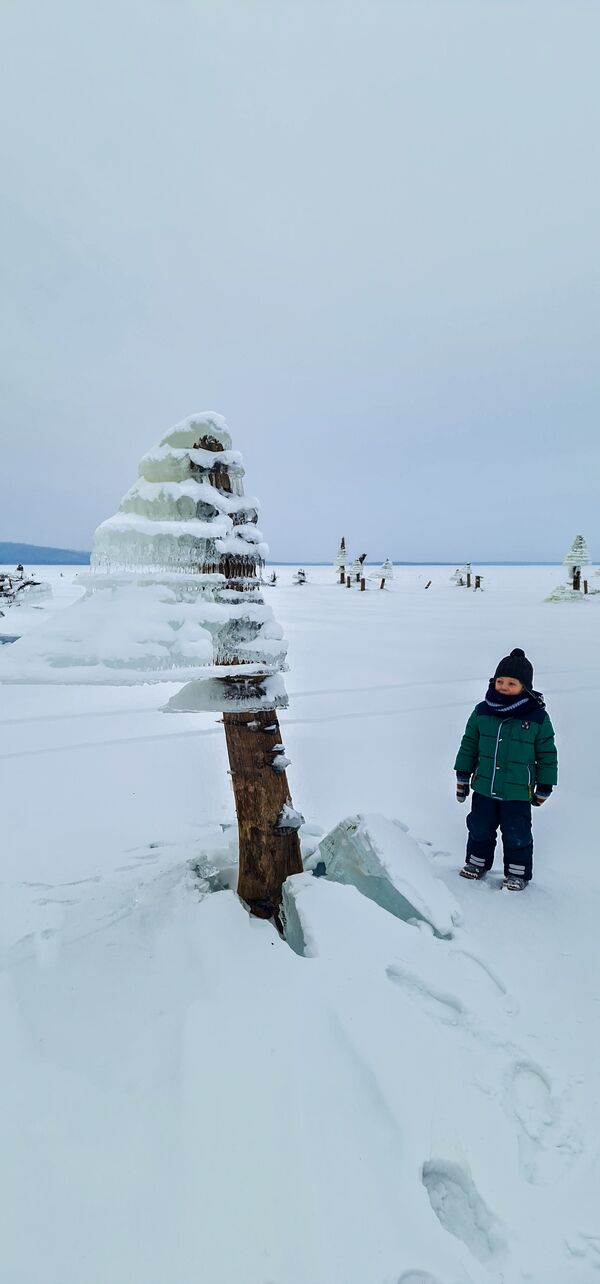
(12, 554)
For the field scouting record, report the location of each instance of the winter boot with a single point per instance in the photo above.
(514, 884)
(469, 871)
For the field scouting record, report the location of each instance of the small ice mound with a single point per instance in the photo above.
(379, 857)
(564, 593)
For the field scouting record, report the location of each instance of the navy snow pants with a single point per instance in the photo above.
(514, 819)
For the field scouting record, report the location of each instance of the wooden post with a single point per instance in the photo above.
(363, 585)
(428, 584)
(468, 579)
(342, 576)
(348, 582)
(268, 854)
(269, 850)
(585, 586)
(382, 585)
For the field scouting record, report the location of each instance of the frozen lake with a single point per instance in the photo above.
(184, 1097)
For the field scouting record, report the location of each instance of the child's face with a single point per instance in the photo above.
(509, 686)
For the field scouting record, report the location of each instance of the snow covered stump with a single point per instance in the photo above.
(173, 595)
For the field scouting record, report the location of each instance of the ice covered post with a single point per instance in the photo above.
(174, 595)
(577, 557)
(357, 566)
(387, 572)
(250, 648)
(341, 560)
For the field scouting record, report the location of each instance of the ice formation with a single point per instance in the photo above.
(17, 589)
(385, 572)
(577, 556)
(380, 858)
(387, 569)
(564, 593)
(341, 559)
(173, 592)
(187, 510)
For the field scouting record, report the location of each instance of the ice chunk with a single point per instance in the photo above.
(280, 762)
(382, 860)
(289, 818)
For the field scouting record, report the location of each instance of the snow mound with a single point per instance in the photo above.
(380, 858)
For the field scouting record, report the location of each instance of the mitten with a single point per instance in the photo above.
(541, 793)
(463, 788)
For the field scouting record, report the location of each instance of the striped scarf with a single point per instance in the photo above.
(511, 706)
(505, 704)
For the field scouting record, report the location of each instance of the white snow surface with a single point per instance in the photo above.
(185, 1096)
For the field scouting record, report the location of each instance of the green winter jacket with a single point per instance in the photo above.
(508, 757)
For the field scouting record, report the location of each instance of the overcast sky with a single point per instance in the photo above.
(366, 233)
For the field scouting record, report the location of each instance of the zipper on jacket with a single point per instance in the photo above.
(502, 724)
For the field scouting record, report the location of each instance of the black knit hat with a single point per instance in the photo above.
(516, 665)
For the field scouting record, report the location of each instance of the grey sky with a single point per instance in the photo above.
(366, 233)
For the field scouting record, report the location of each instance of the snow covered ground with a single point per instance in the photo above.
(186, 1098)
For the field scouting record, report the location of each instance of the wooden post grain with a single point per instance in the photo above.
(267, 855)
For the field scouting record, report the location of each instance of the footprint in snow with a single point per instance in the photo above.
(417, 1277)
(462, 1212)
(586, 1248)
(547, 1148)
(441, 1004)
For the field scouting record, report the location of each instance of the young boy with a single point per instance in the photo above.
(509, 755)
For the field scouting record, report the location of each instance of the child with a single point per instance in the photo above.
(509, 754)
